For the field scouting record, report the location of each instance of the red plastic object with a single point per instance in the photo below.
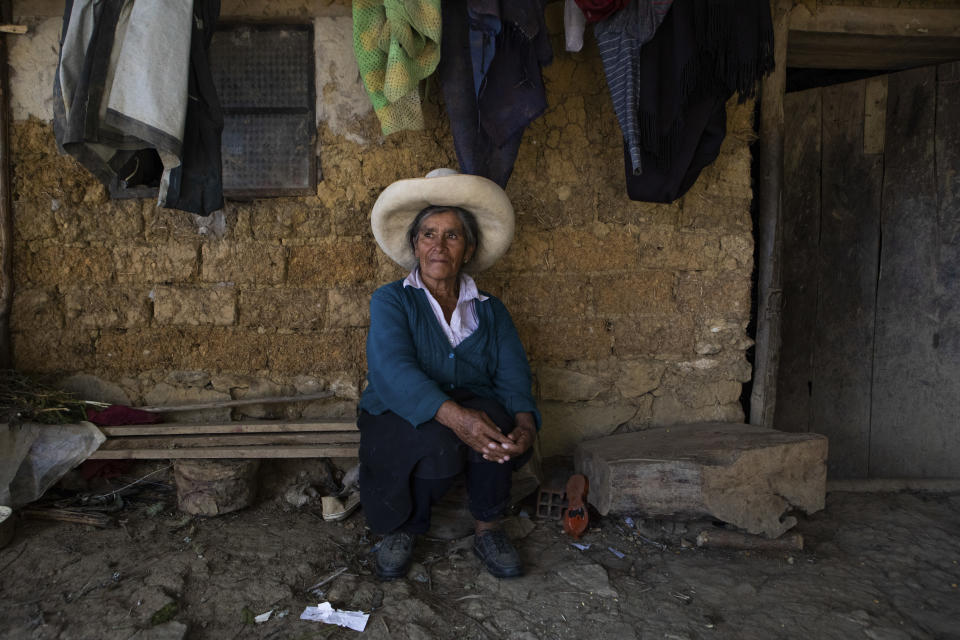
(576, 518)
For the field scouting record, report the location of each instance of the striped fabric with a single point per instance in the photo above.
(620, 39)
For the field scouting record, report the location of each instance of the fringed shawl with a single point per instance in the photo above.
(703, 52)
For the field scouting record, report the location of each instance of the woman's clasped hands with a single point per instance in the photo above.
(479, 432)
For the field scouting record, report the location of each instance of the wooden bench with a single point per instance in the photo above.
(328, 438)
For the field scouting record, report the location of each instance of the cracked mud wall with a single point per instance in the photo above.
(633, 314)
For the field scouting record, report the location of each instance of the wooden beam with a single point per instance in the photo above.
(769, 196)
(811, 50)
(918, 23)
(836, 37)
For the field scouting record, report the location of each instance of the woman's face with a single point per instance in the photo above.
(441, 246)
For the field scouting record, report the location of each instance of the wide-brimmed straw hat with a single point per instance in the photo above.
(400, 203)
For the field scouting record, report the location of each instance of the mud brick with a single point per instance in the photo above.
(243, 262)
(653, 336)
(582, 251)
(646, 292)
(55, 265)
(282, 308)
(188, 306)
(348, 307)
(344, 261)
(107, 307)
(723, 292)
(173, 262)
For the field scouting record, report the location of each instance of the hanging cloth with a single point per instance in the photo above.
(596, 10)
(574, 24)
(197, 184)
(620, 39)
(397, 44)
(484, 19)
(703, 52)
(121, 97)
(488, 125)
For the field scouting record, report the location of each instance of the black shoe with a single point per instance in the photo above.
(393, 555)
(494, 548)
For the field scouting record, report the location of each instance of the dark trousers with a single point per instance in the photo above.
(404, 469)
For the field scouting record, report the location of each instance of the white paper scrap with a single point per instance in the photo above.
(323, 612)
(629, 521)
(263, 617)
(582, 547)
(616, 553)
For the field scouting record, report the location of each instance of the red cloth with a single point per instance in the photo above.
(597, 10)
(117, 414)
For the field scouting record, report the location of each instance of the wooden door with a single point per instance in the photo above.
(871, 273)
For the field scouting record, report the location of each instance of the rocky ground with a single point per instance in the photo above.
(876, 566)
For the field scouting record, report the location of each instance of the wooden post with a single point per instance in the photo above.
(6, 212)
(769, 195)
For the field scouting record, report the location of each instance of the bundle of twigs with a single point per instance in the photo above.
(28, 399)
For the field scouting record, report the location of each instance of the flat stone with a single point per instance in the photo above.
(639, 377)
(172, 630)
(568, 386)
(745, 475)
(565, 424)
(168, 395)
(89, 387)
(517, 527)
(886, 633)
(590, 578)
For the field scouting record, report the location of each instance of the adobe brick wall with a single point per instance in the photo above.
(633, 314)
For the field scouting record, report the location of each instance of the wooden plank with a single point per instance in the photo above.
(847, 268)
(907, 393)
(855, 51)
(266, 451)
(874, 114)
(941, 446)
(233, 439)
(918, 23)
(249, 426)
(801, 238)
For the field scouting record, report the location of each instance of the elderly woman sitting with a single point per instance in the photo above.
(449, 383)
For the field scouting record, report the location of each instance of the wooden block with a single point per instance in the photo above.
(745, 475)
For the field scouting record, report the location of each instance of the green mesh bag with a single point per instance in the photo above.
(397, 44)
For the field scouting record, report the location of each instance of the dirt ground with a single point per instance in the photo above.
(876, 566)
